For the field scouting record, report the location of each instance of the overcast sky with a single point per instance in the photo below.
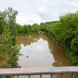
(37, 11)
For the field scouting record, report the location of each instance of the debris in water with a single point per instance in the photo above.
(27, 56)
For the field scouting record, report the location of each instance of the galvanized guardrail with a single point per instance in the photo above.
(39, 71)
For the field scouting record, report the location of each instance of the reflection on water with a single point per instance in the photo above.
(36, 54)
(41, 51)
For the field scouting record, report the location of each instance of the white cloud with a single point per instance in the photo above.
(28, 20)
(45, 2)
(42, 9)
(64, 11)
(37, 11)
(48, 2)
(71, 6)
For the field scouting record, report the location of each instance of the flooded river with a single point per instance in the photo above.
(41, 51)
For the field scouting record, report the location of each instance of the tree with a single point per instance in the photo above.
(9, 51)
(35, 27)
(2, 22)
(10, 18)
(66, 31)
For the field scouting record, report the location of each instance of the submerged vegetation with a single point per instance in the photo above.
(65, 31)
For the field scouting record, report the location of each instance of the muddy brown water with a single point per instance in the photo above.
(40, 51)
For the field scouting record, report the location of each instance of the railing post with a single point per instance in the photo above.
(17, 76)
(29, 76)
(72, 75)
(40, 75)
(5, 77)
(62, 76)
(51, 75)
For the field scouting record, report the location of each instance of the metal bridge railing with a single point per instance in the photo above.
(39, 71)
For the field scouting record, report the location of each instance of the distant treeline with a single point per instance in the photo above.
(27, 29)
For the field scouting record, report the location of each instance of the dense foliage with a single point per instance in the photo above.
(66, 32)
(9, 51)
(27, 29)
